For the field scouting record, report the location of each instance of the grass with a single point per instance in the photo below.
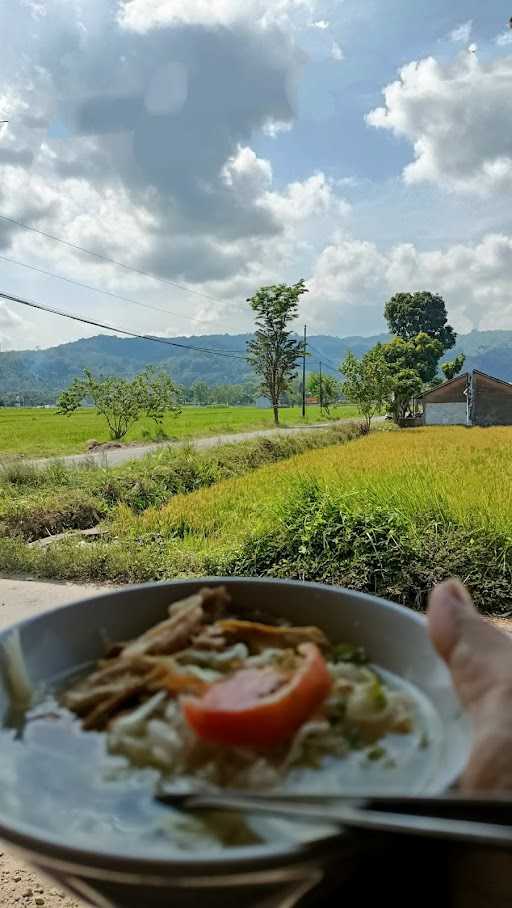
(37, 502)
(35, 432)
(391, 513)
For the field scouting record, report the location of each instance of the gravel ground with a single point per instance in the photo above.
(21, 885)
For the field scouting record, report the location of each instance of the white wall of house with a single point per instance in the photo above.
(446, 414)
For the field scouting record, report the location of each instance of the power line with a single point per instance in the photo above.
(326, 362)
(87, 321)
(118, 296)
(105, 258)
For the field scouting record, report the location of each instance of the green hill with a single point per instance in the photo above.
(39, 375)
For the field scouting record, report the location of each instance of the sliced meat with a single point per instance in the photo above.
(187, 617)
(259, 636)
(167, 637)
(109, 681)
(214, 601)
(107, 708)
(210, 638)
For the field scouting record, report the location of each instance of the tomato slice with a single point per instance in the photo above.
(260, 707)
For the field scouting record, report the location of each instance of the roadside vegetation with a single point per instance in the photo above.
(390, 513)
(34, 432)
(36, 502)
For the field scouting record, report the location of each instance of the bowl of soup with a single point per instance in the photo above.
(209, 685)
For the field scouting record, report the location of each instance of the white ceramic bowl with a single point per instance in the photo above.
(58, 641)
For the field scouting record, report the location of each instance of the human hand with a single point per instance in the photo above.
(479, 657)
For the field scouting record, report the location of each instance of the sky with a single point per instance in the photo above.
(221, 145)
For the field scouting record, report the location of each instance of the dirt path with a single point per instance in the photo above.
(117, 456)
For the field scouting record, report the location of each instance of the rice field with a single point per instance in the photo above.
(391, 513)
(39, 432)
(451, 471)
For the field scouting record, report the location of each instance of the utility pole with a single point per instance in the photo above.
(304, 375)
(321, 389)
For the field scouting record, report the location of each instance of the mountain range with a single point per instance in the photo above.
(39, 375)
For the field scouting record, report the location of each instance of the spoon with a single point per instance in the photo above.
(481, 819)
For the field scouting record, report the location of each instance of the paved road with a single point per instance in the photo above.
(21, 599)
(117, 456)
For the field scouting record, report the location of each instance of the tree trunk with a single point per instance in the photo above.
(276, 414)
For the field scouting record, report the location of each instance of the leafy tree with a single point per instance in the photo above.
(121, 401)
(410, 314)
(451, 369)
(200, 392)
(420, 354)
(158, 395)
(328, 390)
(368, 382)
(405, 384)
(274, 352)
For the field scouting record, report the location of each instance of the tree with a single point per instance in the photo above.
(420, 354)
(330, 389)
(451, 369)
(121, 401)
(368, 382)
(158, 395)
(405, 384)
(200, 392)
(274, 352)
(410, 314)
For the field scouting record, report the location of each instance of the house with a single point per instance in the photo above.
(471, 399)
(263, 403)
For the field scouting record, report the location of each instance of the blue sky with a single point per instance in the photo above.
(363, 145)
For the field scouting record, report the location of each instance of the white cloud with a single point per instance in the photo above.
(142, 128)
(336, 51)
(458, 117)
(144, 15)
(352, 279)
(307, 199)
(504, 39)
(273, 128)
(247, 174)
(462, 33)
(321, 24)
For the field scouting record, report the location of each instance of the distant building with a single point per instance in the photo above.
(471, 399)
(263, 403)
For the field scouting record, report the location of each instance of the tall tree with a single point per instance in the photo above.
(421, 354)
(274, 352)
(452, 368)
(410, 314)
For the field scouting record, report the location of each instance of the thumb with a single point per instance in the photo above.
(478, 655)
(479, 658)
